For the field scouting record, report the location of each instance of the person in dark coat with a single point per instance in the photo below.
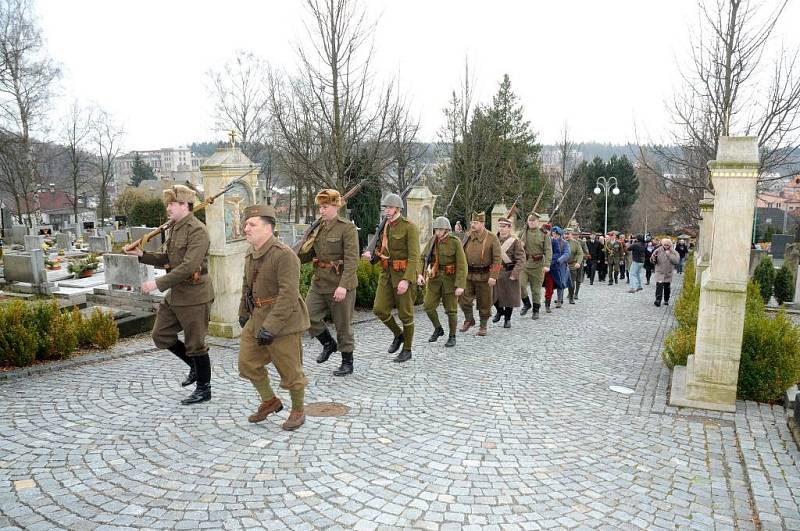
(648, 265)
(558, 277)
(682, 251)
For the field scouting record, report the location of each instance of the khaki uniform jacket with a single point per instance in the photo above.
(536, 243)
(273, 272)
(614, 251)
(335, 241)
(575, 253)
(483, 252)
(187, 252)
(403, 244)
(450, 252)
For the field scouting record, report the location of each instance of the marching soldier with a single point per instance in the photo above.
(187, 305)
(507, 291)
(538, 253)
(400, 260)
(273, 317)
(575, 263)
(483, 267)
(614, 255)
(447, 277)
(586, 257)
(333, 249)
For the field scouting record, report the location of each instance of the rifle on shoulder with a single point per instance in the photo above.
(312, 229)
(141, 242)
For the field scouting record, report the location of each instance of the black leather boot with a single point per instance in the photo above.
(498, 314)
(451, 341)
(179, 349)
(526, 305)
(547, 306)
(535, 315)
(347, 365)
(507, 315)
(403, 356)
(437, 333)
(329, 346)
(396, 342)
(202, 393)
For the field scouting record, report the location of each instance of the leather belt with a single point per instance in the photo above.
(260, 303)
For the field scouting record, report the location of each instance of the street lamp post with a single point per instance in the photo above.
(606, 183)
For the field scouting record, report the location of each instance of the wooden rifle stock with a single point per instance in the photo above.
(313, 227)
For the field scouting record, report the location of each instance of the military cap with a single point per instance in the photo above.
(441, 223)
(570, 230)
(547, 226)
(178, 194)
(392, 200)
(328, 196)
(534, 216)
(504, 221)
(479, 216)
(267, 211)
(557, 230)
(544, 218)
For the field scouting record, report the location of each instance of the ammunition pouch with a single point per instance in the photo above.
(396, 265)
(450, 269)
(336, 265)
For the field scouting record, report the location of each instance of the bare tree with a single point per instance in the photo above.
(76, 127)
(726, 93)
(403, 148)
(107, 139)
(26, 80)
(333, 121)
(566, 156)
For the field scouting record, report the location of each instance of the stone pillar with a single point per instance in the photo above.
(419, 209)
(228, 246)
(709, 379)
(499, 210)
(704, 244)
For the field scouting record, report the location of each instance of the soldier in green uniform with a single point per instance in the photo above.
(574, 263)
(614, 255)
(188, 303)
(273, 317)
(446, 278)
(483, 267)
(538, 254)
(400, 263)
(333, 249)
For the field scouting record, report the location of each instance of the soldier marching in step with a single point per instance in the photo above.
(273, 317)
(538, 253)
(187, 304)
(446, 279)
(333, 250)
(400, 263)
(575, 263)
(483, 267)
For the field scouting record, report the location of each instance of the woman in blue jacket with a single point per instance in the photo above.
(558, 277)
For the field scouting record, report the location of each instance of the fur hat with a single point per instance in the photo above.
(178, 194)
(479, 216)
(328, 196)
(267, 211)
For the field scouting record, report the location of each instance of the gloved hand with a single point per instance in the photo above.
(243, 320)
(264, 337)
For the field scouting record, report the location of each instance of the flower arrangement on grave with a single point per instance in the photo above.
(54, 264)
(84, 267)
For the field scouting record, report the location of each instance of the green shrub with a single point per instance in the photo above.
(783, 285)
(149, 212)
(56, 333)
(306, 272)
(770, 361)
(367, 283)
(678, 345)
(18, 341)
(764, 275)
(688, 304)
(101, 329)
(689, 271)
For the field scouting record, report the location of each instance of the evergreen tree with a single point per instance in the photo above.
(140, 171)
(619, 206)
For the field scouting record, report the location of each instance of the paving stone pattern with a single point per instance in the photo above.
(517, 430)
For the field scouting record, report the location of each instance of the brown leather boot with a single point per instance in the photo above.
(467, 325)
(481, 331)
(295, 420)
(270, 406)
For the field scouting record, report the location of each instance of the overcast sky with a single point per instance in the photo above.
(600, 66)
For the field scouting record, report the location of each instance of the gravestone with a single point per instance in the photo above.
(27, 267)
(119, 236)
(43, 230)
(224, 223)
(18, 233)
(153, 245)
(709, 379)
(779, 243)
(125, 270)
(99, 244)
(64, 241)
(286, 233)
(33, 242)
